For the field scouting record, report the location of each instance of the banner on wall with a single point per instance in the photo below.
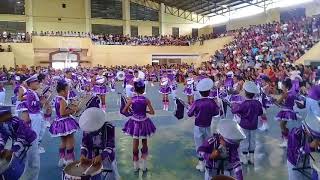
(70, 44)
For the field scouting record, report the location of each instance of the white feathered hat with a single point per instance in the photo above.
(230, 130)
(205, 84)
(92, 119)
(251, 87)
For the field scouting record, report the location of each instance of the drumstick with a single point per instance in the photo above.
(78, 165)
(86, 171)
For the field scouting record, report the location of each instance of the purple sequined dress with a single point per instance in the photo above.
(287, 113)
(165, 86)
(139, 126)
(62, 126)
(100, 88)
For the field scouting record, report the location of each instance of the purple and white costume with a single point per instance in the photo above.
(139, 126)
(298, 149)
(34, 110)
(72, 93)
(100, 88)
(102, 142)
(165, 86)
(203, 109)
(287, 113)
(24, 141)
(231, 163)
(190, 87)
(62, 126)
(248, 111)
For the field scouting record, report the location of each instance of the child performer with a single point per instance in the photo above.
(286, 113)
(189, 87)
(301, 141)
(100, 87)
(34, 105)
(203, 109)
(69, 79)
(265, 100)
(3, 79)
(220, 151)
(139, 126)
(249, 112)
(64, 125)
(25, 145)
(98, 141)
(165, 90)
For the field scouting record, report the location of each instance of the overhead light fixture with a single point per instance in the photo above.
(224, 6)
(18, 2)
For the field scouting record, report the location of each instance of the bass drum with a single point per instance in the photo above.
(121, 75)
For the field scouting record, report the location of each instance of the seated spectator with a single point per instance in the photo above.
(1, 49)
(9, 48)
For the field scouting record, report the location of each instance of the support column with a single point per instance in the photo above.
(88, 15)
(161, 19)
(29, 16)
(126, 17)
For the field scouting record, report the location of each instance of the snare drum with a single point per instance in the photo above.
(11, 170)
(75, 172)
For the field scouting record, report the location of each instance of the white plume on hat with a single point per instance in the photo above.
(312, 121)
(92, 119)
(251, 87)
(205, 84)
(230, 130)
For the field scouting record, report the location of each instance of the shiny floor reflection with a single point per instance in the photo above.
(172, 153)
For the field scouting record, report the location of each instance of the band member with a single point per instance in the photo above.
(249, 112)
(3, 80)
(69, 79)
(128, 83)
(203, 109)
(64, 125)
(265, 92)
(100, 87)
(190, 87)
(312, 100)
(98, 142)
(220, 151)
(165, 90)
(25, 145)
(286, 114)
(139, 126)
(21, 93)
(34, 105)
(301, 141)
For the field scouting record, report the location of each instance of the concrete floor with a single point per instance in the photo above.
(172, 153)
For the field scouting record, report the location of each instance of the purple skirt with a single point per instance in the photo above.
(188, 91)
(63, 127)
(165, 90)
(286, 115)
(139, 129)
(100, 89)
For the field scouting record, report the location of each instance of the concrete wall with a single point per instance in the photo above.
(7, 59)
(109, 55)
(312, 55)
(141, 55)
(23, 54)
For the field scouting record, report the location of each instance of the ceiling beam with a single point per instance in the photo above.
(220, 8)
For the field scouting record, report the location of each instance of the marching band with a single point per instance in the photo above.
(81, 94)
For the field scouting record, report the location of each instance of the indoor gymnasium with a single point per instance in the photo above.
(159, 89)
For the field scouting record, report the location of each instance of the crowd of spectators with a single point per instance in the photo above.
(110, 39)
(273, 43)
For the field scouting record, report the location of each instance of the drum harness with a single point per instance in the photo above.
(96, 150)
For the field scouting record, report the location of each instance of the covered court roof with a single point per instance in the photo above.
(212, 8)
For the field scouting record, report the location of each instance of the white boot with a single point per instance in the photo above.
(200, 166)
(136, 166)
(61, 163)
(244, 159)
(143, 165)
(251, 158)
(264, 126)
(284, 144)
(164, 107)
(41, 150)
